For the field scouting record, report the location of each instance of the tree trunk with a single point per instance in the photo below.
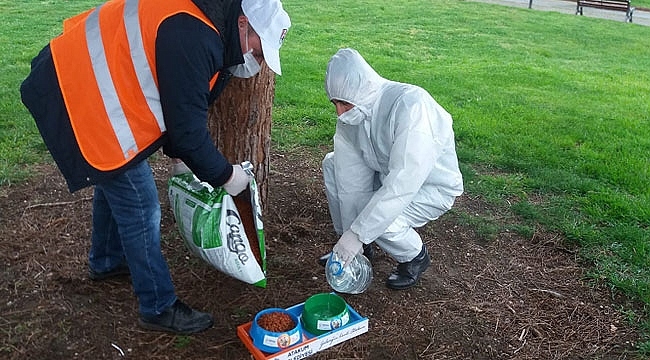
(240, 124)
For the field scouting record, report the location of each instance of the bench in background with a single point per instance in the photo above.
(617, 5)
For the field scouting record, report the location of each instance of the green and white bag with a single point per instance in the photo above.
(213, 228)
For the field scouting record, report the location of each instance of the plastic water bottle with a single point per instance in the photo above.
(354, 278)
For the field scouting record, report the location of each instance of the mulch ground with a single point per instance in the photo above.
(507, 298)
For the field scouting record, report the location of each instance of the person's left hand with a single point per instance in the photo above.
(239, 181)
(348, 247)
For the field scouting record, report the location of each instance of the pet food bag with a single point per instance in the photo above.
(225, 231)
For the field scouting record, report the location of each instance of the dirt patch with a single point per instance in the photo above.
(510, 298)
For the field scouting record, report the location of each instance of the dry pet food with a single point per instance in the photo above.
(276, 322)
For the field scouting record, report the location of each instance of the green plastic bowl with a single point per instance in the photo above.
(324, 312)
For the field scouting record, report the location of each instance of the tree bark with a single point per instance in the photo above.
(240, 124)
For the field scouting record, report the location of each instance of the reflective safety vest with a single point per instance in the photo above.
(106, 66)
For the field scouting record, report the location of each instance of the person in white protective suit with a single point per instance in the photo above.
(394, 166)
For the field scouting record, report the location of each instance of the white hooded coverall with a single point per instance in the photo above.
(394, 171)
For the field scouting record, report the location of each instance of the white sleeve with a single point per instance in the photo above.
(354, 179)
(414, 151)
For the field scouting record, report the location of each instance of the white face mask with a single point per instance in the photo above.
(353, 116)
(249, 68)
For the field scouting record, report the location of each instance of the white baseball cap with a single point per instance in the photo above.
(271, 23)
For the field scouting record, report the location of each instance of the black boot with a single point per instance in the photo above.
(178, 319)
(407, 274)
(368, 251)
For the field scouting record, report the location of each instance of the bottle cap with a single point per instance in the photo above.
(335, 267)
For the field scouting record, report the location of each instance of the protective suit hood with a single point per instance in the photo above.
(351, 79)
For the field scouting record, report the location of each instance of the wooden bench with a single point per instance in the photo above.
(617, 5)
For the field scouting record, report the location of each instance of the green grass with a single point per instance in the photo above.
(551, 111)
(645, 4)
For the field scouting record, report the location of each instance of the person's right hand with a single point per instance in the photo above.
(348, 247)
(238, 181)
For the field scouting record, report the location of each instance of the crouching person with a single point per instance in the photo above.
(393, 169)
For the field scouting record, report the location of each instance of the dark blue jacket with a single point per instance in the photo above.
(188, 53)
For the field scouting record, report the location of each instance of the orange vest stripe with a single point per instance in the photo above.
(105, 63)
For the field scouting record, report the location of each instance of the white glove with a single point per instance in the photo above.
(238, 181)
(348, 247)
(179, 168)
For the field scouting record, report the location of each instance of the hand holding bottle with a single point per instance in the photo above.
(347, 247)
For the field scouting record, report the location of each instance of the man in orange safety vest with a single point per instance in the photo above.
(125, 79)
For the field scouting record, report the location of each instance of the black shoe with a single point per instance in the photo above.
(407, 274)
(178, 319)
(120, 270)
(368, 251)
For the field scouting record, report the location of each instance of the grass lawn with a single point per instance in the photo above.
(645, 4)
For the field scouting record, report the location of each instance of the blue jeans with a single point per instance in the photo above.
(126, 225)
